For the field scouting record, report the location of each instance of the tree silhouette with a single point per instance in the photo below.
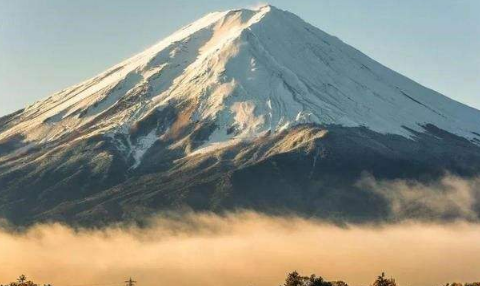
(295, 279)
(339, 283)
(383, 281)
(22, 281)
(318, 281)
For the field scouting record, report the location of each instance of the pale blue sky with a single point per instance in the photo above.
(47, 45)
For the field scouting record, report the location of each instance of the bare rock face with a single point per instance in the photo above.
(241, 109)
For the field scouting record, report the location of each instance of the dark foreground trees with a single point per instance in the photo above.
(23, 281)
(295, 279)
(383, 281)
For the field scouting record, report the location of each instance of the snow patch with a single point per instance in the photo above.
(141, 147)
(245, 119)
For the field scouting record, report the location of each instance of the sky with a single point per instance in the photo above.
(48, 45)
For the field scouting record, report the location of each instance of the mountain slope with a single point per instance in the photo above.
(206, 116)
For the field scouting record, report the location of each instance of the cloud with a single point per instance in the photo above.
(240, 249)
(257, 5)
(451, 198)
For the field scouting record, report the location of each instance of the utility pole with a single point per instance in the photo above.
(130, 282)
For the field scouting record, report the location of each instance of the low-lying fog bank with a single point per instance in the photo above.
(242, 249)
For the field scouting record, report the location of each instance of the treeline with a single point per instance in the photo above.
(295, 279)
(23, 281)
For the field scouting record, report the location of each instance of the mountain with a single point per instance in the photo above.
(251, 109)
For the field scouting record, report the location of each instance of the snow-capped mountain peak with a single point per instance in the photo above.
(245, 72)
(242, 109)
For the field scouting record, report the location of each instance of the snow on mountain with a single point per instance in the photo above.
(248, 72)
(243, 109)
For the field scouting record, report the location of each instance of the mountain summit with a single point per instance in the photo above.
(241, 109)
